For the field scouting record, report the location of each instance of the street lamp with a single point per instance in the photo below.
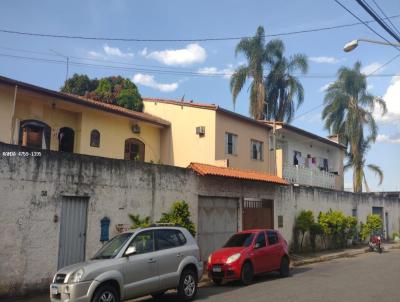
(353, 44)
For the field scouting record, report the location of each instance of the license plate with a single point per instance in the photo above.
(54, 290)
(217, 269)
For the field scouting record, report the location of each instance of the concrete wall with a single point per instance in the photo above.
(31, 190)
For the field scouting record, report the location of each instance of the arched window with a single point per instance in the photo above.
(95, 138)
(34, 134)
(66, 139)
(134, 149)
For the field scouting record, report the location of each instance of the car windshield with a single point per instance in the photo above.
(112, 247)
(240, 240)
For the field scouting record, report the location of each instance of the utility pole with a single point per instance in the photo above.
(66, 59)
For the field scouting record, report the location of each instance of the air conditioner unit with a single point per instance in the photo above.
(201, 130)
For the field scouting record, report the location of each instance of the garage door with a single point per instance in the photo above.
(218, 220)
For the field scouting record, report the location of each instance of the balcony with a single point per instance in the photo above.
(310, 177)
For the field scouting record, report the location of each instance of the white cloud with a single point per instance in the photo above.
(149, 81)
(192, 53)
(109, 52)
(224, 72)
(143, 52)
(325, 87)
(392, 99)
(324, 59)
(391, 139)
(116, 52)
(372, 68)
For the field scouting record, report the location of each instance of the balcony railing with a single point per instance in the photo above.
(308, 176)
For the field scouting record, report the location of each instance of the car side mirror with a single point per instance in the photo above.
(257, 245)
(130, 251)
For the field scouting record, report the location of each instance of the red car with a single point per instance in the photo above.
(249, 253)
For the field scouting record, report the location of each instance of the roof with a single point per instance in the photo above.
(89, 102)
(306, 133)
(208, 107)
(204, 169)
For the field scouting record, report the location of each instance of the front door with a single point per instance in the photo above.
(258, 214)
(72, 230)
(141, 270)
(66, 138)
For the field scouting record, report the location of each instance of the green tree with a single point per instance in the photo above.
(303, 223)
(114, 90)
(275, 93)
(138, 222)
(283, 88)
(348, 112)
(180, 215)
(79, 84)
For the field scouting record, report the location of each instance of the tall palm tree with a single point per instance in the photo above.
(254, 50)
(271, 96)
(348, 112)
(281, 86)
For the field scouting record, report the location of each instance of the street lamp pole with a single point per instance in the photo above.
(353, 44)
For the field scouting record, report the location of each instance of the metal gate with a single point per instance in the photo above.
(218, 220)
(72, 230)
(258, 214)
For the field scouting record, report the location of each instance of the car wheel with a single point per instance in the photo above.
(284, 269)
(187, 288)
(105, 293)
(217, 281)
(247, 273)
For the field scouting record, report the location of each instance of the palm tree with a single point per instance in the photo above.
(348, 112)
(254, 51)
(281, 86)
(271, 96)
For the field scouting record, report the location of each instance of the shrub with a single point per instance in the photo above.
(373, 224)
(315, 230)
(303, 223)
(138, 222)
(180, 215)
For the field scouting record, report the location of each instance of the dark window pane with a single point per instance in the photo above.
(239, 240)
(260, 241)
(272, 237)
(167, 239)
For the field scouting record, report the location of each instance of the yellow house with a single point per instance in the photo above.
(209, 134)
(40, 118)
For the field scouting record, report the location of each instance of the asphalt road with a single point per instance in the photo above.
(364, 278)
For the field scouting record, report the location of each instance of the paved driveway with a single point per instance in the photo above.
(368, 277)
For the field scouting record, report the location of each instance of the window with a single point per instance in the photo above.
(143, 242)
(260, 241)
(134, 149)
(256, 150)
(66, 138)
(230, 143)
(95, 138)
(112, 247)
(239, 240)
(272, 237)
(34, 134)
(166, 239)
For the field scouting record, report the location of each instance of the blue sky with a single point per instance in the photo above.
(202, 19)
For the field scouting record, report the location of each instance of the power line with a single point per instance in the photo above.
(160, 71)
(370, 28)
(370, 11)
(79, 37)
(385, 17)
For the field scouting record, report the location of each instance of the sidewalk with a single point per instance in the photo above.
(299, 260)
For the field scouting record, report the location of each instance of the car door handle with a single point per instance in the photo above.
(152, 260)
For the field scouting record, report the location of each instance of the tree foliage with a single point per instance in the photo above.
(138, 222)
(348, 112)
(374, 224)
(303, 223)
(180, 215)
(114, 90)
(272, 96)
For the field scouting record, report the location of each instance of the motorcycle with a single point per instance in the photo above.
(375, 242)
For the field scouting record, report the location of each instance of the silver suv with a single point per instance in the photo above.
(134, 264)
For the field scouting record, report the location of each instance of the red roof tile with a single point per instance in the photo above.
(204, 169)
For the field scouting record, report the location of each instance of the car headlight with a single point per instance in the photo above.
(233, 258)
(209, 259)
(76, 276)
